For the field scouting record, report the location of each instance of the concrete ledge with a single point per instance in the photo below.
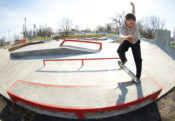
(84, 101)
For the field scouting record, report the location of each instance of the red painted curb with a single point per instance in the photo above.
(80, 111)
(99, 43)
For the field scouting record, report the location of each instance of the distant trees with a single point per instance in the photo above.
(34, 32)
(44, 32)
(77, 28)
(109, 27)
(3, 42)
(101, 29)
(118, 20)
(66, 26)
(147, 25)
(87, 30)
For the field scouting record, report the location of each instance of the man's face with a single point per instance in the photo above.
(130, 23)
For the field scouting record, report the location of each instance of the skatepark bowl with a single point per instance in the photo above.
(80, 79)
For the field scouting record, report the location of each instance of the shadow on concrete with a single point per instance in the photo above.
(139, 90)
(75, 71)
(81, 48)
(47, 57)
(124, 90)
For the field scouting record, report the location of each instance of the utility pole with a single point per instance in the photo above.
(9, 34)
(34, 30)
(25, 28)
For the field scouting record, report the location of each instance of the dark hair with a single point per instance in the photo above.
(130, 16)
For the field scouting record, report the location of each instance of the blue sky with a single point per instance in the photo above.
(84, 13)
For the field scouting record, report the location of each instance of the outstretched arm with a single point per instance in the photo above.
(133, 8)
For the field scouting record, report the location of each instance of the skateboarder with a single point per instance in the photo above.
(129, 35)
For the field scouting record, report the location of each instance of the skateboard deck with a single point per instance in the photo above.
(129, 72)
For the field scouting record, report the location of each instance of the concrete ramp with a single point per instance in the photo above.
(162, 39)
(47, 52)
(80, 101)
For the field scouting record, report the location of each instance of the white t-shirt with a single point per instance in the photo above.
(125, 30)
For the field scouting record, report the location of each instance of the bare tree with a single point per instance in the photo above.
(118, 20)
(157, 22)
(2, 40)
(87, 30)
(101, 29)
(45, 32)
(141, 27)
(77, 28)
(150, 24)
(154, 22)
(109, 27)
(66, 26)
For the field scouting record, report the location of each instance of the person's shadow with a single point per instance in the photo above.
(124, 90)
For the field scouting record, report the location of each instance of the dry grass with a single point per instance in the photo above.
(167, 107)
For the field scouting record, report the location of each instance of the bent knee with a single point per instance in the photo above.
(120, 51)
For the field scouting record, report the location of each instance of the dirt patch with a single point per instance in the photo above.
(12, 112)
(167, 107)
(2, 104)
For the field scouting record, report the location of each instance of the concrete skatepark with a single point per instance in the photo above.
(97, 89)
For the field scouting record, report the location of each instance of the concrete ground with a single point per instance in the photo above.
(156, 64)
(97, 96)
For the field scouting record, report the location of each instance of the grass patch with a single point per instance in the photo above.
(74, 36)
(42, 38)
(79, 35)
(172, 45)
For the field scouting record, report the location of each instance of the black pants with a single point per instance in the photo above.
(136, 51)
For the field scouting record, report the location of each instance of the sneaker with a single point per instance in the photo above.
(137, 81)
(121, 63)
(132, 80)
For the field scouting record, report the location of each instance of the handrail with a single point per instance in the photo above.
(99, 43)
(83, 59)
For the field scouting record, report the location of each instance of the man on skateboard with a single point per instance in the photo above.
(129, 35)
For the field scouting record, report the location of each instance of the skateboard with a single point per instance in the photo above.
(128, 71)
